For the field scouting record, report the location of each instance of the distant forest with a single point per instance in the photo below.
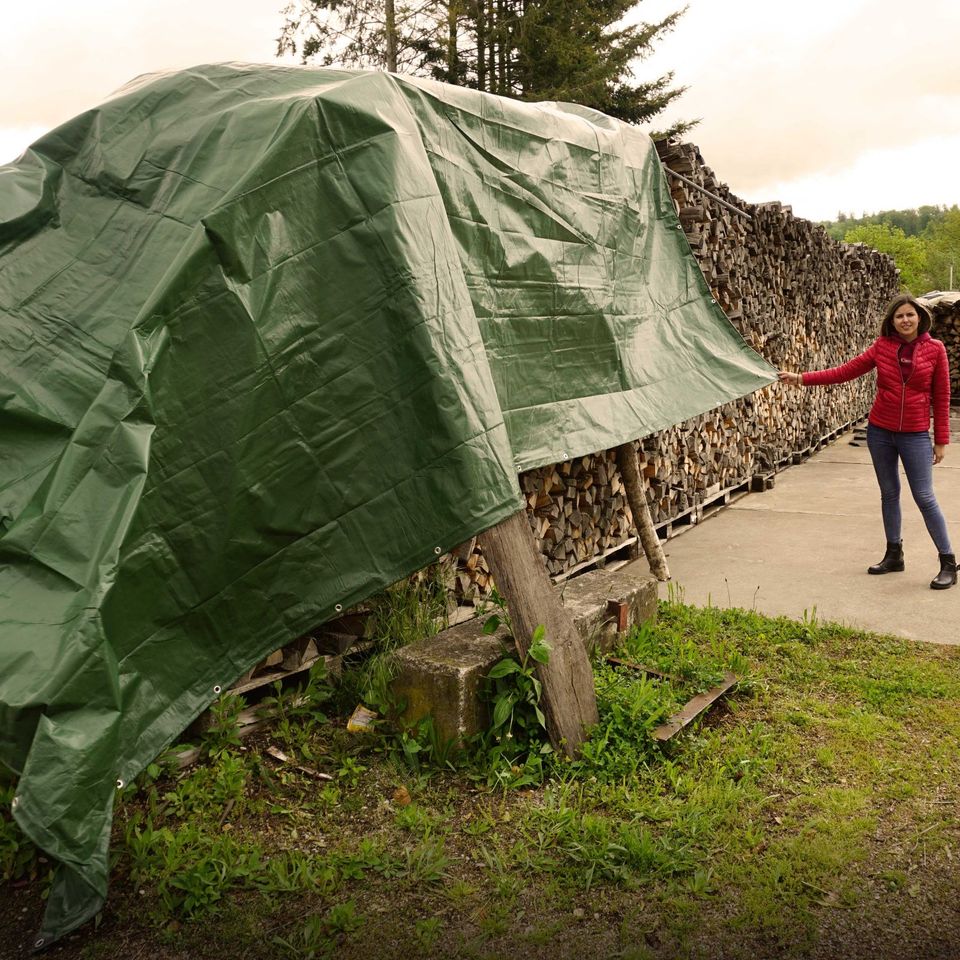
(924, 243)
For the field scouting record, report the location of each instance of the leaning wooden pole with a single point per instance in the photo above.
(637, 498)
(569, 700)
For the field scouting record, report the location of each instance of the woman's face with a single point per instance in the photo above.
(906, 322)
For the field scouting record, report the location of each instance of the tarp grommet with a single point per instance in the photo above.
(437, 551)
(217, 688)
(14, 803)
(119, 784)
(338, 607)
(39, 943)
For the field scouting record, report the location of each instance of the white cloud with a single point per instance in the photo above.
(815, 99)
(801, 98)
(891, 178)
(63, 56)
(14, 140)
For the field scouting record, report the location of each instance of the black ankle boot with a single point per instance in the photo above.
(892, 561)
(947, 576)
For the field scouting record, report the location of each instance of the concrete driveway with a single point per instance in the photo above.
(804, 548)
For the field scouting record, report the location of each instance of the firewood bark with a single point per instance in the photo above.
(945, 312)
(569, 699)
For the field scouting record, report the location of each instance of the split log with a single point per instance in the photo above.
(569, 699)
(945, 312)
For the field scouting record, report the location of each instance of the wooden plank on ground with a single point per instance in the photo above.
(694, 708)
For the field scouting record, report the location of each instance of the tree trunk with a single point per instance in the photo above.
(637, 498)
(569, 699)
(453, 57)
(481, 45)
(390, 29)
(493, 85)
(502, 30)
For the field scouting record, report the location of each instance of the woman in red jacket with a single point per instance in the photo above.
(912, 374)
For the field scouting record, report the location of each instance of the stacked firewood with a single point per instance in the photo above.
(945, 308)
(799, 298)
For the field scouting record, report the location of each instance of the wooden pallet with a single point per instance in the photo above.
(800, 456)
(296, 658)
(624, 551)
(760, 482)
(706, 507)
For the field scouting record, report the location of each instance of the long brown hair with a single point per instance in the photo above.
(887, 328)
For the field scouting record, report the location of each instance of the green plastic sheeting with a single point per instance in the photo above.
(272, 338)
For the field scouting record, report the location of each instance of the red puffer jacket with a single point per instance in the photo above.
(904, 407)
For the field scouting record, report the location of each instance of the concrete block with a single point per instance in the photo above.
(442, 676)
(588, 598)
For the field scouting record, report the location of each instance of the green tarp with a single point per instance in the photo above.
(272, 338)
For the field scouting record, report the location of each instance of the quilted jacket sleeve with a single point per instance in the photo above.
(941, 396)
(857, 367)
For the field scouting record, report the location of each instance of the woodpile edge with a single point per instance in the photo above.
(800, 299)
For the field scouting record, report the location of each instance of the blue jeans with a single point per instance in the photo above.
(915, 451)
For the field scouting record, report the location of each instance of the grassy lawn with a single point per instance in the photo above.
(811, 813)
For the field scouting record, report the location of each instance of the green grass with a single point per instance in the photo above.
(822, 787)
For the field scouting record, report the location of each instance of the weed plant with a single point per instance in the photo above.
(511, 751)
(821, 784)
(409, 610)
(19, 858)
(298, 710)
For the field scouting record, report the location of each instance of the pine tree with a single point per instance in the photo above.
(571, 50)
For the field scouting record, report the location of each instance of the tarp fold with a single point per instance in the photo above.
(270, 339)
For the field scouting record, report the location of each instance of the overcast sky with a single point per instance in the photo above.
(826, 105)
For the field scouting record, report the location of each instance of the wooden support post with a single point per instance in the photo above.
(569, 699)
(633, 484)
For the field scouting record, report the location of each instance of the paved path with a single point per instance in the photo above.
(804, 547)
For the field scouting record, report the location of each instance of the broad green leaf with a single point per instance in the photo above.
(502, 710)
(540, 651)
(503, 668)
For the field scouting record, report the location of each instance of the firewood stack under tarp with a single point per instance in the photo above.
(945, 309)
(799, 298)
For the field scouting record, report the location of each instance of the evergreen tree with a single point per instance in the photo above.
(380, 34)
(572, 50)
